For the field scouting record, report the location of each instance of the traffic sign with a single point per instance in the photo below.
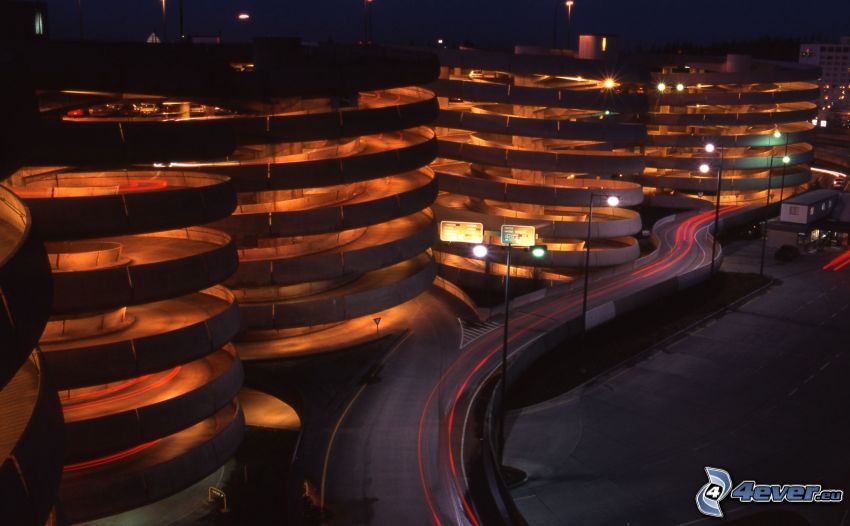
(461, 232)
(518, 235)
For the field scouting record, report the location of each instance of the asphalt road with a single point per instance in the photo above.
(760, 392)
(396, 455)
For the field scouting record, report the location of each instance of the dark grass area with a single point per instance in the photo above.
(256, 489)
(574, 362)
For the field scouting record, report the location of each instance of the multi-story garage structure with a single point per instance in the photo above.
(327, 149)
(755, 114)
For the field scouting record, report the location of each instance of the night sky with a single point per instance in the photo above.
(487, 23)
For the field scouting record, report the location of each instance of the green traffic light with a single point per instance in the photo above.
(538, 251)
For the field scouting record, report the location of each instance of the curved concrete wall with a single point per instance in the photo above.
(128, 213)
(102, 363)
(91, 494)
(94, 437)
(29, 476)
(25, 286)
(132, 284)
(335, 263)
(341, 307)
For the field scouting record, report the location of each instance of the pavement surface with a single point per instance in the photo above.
(759, 392)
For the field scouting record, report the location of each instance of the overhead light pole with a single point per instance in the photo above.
(776, 135)
(367, 22)
(705, 168)
(80, 16)
(164, 27)
(569, 4)
(481, 251)
(612, 201)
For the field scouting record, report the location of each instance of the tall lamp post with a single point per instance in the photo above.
(705, 168)
(367, 21)
(164, 27)
(569, 4)
(776, 135)
(480, 252)
(612, 201)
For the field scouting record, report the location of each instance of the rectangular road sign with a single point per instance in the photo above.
(519, 235)
(461, 232)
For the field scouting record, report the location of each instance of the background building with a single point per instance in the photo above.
(834, 61)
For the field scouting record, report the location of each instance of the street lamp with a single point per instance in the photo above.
(704, 168)
(612, 201)
(367, 21)
(164, 28)
(776, 135)
(661, 87)
(244, 17)
(481, 251)
(569, 4)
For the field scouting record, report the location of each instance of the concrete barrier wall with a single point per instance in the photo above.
(120, 431)
(609, 132)
(606, 256)
(534, 96)
(99, 364)
(333, 264)
(732, 119)
(739, 98)
(107, 215)
(25, 288)
(30, 474)
(708, 185)
(338, 308)
(134, 284)
(730, 163)
(333, 218)
(629, 194)
(602, 163)
(88, 498)
(627, 223)
(763, 139)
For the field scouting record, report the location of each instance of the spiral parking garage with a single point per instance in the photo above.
(531, 138)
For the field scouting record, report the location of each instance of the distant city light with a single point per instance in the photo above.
(709, 147)
(479, 251)
(704, 168)
(440, 41)
(680, 87)
(243, 16)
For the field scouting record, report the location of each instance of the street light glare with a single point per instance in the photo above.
(709, 147)
(613, 200)
(243, 16)
(680, 87)
(538, 251)
(704, 168)
(662, 87)
(479, 251)
(609, 83)
(777, 134)
(786, 159)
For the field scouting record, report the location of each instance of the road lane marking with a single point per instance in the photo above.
(344, 414)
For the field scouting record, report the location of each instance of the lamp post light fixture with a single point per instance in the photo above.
(164, 27)
(367, 22)
(776, 135)
(613, 201)
(244, 17)
(704, 168)
(661, 87)
(569, 4)
(680, 87)
(481, 251)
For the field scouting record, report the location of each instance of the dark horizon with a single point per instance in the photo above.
(494, 23)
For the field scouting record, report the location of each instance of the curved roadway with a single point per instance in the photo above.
(396, 453)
